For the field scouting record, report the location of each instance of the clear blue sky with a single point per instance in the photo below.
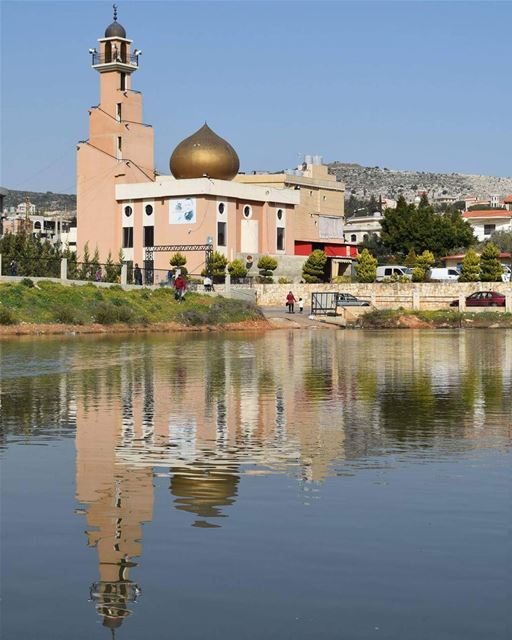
(405, 85)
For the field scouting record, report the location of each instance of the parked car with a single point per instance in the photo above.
(393, 270)
(483, 299)
(444, 274)
(348, 300)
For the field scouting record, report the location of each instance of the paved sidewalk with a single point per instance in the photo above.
(296, 320)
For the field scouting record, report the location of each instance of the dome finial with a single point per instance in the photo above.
(114, 6)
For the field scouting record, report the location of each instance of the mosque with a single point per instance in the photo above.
(123, 204)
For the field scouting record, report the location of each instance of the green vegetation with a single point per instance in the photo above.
(237, 269)
(366, 267)
(503, 240)
(490, 266)
(470, 270)
(441, 319)
(418, 228)
(314, 267)
(423, 263)
(266, 265)
(51, 302)
(178, 261)
(219, 264)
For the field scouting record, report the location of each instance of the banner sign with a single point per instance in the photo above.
(182, 211)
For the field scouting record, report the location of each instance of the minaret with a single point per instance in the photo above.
(119, 148)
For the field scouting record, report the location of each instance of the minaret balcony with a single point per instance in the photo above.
(128, 62)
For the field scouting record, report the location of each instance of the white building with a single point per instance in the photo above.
(487, 222)
(359, 228)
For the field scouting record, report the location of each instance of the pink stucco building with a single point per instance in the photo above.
(122, 204)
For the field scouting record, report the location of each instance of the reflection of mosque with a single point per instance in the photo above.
(211, 411)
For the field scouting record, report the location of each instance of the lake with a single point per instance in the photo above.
(289, 484)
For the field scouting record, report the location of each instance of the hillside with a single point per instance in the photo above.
(366, 181)
(44, 201)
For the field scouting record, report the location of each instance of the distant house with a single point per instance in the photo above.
(360, 228)
(455, 262)
(507, 202)
(488, 221)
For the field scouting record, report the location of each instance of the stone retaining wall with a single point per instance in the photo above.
(421, 295)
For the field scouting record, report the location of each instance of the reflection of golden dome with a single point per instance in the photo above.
(204, 153)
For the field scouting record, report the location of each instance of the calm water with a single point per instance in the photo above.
(322, 484)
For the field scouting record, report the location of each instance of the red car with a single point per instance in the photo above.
(483, 299)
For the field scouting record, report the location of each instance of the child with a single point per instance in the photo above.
(301, 305)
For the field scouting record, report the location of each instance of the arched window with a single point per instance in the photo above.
(108, 52)
(353, 238)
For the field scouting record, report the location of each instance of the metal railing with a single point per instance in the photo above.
(101, 58)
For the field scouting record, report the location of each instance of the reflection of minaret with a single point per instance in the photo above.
(117, 496)
(204, 488)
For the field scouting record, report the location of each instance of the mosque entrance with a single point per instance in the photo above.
(149, 256)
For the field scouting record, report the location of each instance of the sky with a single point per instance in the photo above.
(405, 85)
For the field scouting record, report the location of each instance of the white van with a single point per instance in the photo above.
(393, 271)
(443, 274)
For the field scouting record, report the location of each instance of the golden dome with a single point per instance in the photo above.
(204, 153)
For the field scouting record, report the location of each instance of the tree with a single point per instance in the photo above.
(85, 267)
(111, 269)
(237, 269)
(423, 263)
(178, 261)
(314, 267)
(419, 228)
(366, 267)
(503, 240)
(470, 271)
(95, 263)
(267, 265)
(490, 265)
(219, 263)
(410, 261)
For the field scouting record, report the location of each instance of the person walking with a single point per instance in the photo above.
(170, 278)
(290, 302)
(180, 285)
(98, 274)
(301, 305)
(14, 268)
(137, 275)
(208, 283)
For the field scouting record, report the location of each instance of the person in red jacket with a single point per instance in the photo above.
(180, 285)
(290, 302)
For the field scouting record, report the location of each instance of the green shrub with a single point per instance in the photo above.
(266, 265)
(366, 267)
(67, 314)
(27, 282)
(490, 266)
(283, 280)
(125, 313)
(470, 271)
(341, 279)
(237, 269)
(314, 267)
(106, 313)
(7, 316)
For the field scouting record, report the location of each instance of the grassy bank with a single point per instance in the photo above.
(53, 303)
(443, 319)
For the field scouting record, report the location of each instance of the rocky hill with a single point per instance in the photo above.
(364, 182)
(44, 201)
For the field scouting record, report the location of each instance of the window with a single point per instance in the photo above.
(330, 227)
(353, 238)
(122, 81)
(118, 112)
(148, 209)
(488, 229)
(149, 236)
(247, 211)
(221, 234)
(119, 153)
(128, 211)
(279, 214)
(280, 239)
(221, 208)
(127, 237)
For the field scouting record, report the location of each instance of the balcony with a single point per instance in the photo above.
(131, 61)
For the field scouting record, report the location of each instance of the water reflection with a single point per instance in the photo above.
(207, 411)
